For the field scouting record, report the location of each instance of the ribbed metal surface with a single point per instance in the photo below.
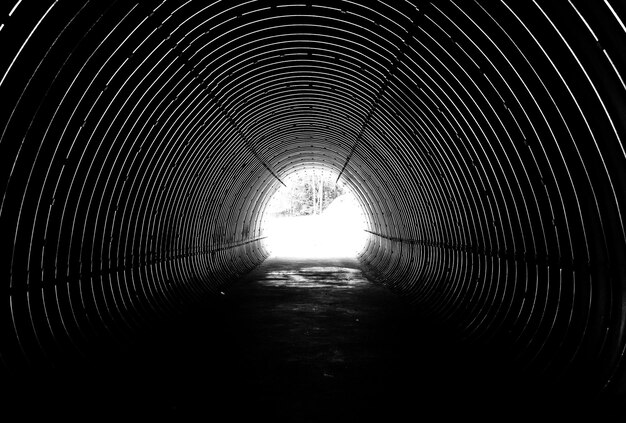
(141, 142)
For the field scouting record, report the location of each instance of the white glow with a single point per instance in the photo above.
(337, 232)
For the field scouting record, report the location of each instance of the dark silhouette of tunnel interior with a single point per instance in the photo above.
(140, 143)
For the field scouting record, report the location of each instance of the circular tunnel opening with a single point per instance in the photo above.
(314, 215)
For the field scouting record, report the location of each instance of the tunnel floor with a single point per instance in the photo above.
(295, 340)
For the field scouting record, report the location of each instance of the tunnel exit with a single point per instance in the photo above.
(314, 216)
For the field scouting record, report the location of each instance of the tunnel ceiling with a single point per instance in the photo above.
(141, 141)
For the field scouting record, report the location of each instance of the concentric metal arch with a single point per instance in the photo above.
(141, 142)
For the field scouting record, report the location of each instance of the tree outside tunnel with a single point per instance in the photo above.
(314, 215)
(307, 193)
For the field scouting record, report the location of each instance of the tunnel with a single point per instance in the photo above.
(141, 142)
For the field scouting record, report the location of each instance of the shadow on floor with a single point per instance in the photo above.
(295, 341)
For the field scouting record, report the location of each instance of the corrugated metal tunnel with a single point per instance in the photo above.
(141, 142)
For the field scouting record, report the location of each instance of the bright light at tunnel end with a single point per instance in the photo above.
(333, 229)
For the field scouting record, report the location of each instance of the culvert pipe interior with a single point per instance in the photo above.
(142, 140)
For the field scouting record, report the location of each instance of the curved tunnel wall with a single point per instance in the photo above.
(141, 141)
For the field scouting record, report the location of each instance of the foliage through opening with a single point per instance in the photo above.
(313, 216)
